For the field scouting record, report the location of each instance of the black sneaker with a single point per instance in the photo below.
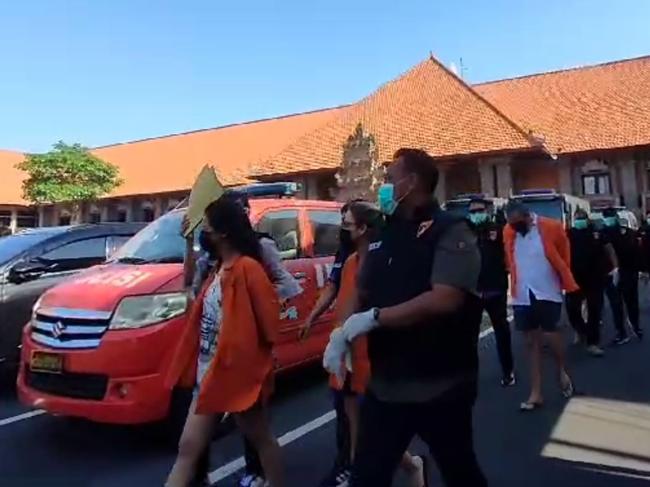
(621, 340)
(509, 380)
(638, 333)
(338, 477)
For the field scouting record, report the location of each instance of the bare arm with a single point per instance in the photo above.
(323, 303)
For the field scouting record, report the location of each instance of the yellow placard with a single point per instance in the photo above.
(205, 190)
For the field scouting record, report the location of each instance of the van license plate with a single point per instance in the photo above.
(46, 362)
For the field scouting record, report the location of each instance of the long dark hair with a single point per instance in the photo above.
(228, 217)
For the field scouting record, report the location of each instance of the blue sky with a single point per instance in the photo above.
(105, 71)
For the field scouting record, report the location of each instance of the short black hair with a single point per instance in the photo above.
(346, 206)
(610, 212)
(420, 163)
(238, 197)
(515, 206)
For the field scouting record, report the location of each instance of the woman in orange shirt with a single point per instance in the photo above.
(226, 347)
(362, 220)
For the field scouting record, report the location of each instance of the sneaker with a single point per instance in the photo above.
(621, 340)
(638, 333)
(595, 351)
(509, 380)
(338, 477)
(418, 477)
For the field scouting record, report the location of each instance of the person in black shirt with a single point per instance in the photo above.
(493, 282)
(624, 288)
(593, 262)
(417, 303)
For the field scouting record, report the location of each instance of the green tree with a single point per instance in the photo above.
(67, 173)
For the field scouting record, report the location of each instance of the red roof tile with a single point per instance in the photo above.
(428, 107)
(588, 108)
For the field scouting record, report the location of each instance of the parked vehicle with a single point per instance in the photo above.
(551, 204)
(460, 204)
(34, 260)
(99, 345)
(627, 218)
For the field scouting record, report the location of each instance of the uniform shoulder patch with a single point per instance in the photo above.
(374, 246)
(424, 226)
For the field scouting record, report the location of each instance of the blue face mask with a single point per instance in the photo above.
(610, 221)
(386, 198)
(580, 224)
(478, 218)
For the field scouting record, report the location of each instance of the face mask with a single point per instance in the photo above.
(345, 239)
(386, 198)
(520, 227)
(610, 221)
(580, 224)
(478, 218)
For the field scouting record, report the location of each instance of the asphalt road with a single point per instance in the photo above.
(600, 438)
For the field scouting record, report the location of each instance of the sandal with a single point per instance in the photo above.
(526, 407)
(569, 389)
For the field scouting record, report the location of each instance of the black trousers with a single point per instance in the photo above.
(444, 424)
(343, 447)
(497, 309)
(594, 296)
(626, 293)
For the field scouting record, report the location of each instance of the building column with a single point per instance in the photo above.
(41, 216)
(486, 172)
(629, 186)
(441, 188)
(565, 175)
(158, 207)
(13, 222)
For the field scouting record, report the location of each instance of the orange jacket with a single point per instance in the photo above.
(556, 248)
(241, 370)
(360, 364)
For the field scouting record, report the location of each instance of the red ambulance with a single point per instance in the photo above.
(98, 345)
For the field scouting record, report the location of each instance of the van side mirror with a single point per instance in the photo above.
(29, 270)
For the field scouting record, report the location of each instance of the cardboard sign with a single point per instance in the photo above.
(205, 190)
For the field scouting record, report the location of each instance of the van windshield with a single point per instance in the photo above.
(550, 208)
(13, 245)
(160, 242)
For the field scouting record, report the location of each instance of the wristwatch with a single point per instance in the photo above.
(375, 314)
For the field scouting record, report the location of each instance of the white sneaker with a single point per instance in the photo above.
(595, 351)
(416, 477)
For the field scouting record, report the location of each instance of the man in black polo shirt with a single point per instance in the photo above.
(593, 263)
(626, 290)
(493, 282)
(417, 303)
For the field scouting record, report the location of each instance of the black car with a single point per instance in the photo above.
(33, 261)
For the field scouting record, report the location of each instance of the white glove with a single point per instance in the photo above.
(615, 276)
(334, 355)
(359, 324)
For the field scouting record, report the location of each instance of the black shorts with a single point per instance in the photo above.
(539, 314)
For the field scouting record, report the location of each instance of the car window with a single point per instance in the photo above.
(91, 248)
(114, 242)
(326, 225)
(283, 227)
(13, 245)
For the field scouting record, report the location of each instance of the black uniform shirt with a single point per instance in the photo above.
(590, 262)
(626, 245)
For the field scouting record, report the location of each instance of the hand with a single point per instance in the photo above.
(615, 276)
(359, 324)
(333, 358)
(305, 329)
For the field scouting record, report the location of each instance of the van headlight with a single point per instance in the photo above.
(140, 311)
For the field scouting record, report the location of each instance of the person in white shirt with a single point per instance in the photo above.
(538, 254)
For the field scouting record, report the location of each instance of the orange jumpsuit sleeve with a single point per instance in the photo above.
(264, 301)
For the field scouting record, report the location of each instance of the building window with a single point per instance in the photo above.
(27, 219)
(121, 215)
(95, 217)
(594, 184)
(64, 219)
(5, 218)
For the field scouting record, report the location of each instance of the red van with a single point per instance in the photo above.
(98, 345)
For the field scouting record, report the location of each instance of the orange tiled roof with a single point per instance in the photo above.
(428, 107)
(171, 163)
(11, 189)
(605, 106)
